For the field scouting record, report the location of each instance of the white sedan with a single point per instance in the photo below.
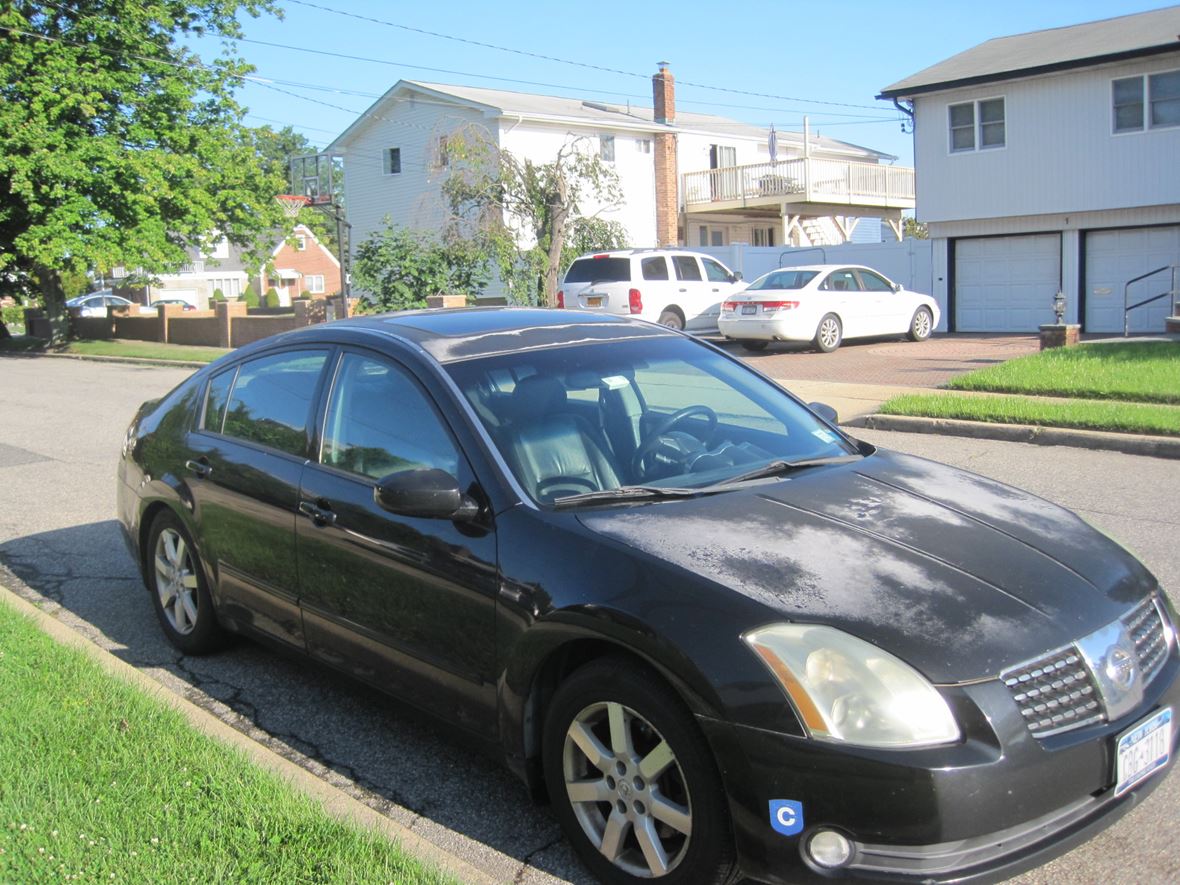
(824, 304)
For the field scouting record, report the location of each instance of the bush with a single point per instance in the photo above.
(13, 316)
(250, 296)
(218, 295)
(272, 298)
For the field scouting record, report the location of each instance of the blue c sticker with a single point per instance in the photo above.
(786, 816)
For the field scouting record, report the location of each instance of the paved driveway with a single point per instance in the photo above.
(889, 362)
(61, 422)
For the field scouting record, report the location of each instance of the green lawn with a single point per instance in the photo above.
(99, 782)
(1085, 414)
(146, 350)
(1146, 371)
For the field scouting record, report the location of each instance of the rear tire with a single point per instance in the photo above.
(753, 344)
(633, 781)
(921, 325)
(672, 319)
(828, 334)
(180, 593)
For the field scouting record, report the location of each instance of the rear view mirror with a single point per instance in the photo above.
(426, 493)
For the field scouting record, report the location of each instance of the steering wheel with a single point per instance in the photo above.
(555, 482)
(653, 438)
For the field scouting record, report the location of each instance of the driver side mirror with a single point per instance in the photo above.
(897, 287)
(735, 277)
(825, 411)
(427, 493)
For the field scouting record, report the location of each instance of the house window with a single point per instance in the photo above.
(315, 282)
(643, 145)
(977, 125)
(606, 148)
(301, 242)
(393, 161)
(764, 236)
(1146, 102)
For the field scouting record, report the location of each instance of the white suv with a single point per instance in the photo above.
(673, 287)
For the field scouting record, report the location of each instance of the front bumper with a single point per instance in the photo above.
(998, 803)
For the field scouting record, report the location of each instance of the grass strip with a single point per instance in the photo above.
(145, 350)
(1083, 414)
(1143, 371)
(100, 782)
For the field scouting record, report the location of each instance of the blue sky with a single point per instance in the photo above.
(837, 56)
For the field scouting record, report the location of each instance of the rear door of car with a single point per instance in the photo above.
(403, 602)
(598, 282)
(245, 462)
(843, 296)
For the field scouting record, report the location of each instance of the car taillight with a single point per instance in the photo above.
(772, 306)
(560, 298)
(635, 301)
(728, 306)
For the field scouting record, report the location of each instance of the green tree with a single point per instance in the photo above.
(400, 267)
(913, 229)
(275, 148)
(526, 215)
(118, 146)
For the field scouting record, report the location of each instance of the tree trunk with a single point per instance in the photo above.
(53, 297)
(558, 216)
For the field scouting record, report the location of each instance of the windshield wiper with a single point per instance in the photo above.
(626, 493)
(782, 467)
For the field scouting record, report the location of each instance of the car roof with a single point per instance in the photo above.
(630, 253)
(451, 335)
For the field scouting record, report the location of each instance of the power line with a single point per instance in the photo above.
(567, 61)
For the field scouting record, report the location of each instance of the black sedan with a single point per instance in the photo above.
(723, 636)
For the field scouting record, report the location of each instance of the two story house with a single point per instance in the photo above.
(688, 179)
(1048, 162)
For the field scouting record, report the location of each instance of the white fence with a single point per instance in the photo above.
(909, 262)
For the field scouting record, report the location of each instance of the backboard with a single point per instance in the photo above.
(317, 177)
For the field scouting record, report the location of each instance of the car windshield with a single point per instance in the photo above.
(783, 279)
(637, 415)
(599, 270)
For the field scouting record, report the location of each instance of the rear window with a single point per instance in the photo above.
(599, 270)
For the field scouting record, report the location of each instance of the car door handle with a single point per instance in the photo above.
(716, 290)
(683, 290)
(320, 515)
(200, 467)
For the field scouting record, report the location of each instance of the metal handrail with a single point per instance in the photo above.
(1127, 291)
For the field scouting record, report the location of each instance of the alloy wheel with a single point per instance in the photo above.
(627, 790)
(829, 333)
(176, 581)
(922, 324)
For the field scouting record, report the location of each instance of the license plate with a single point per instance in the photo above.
(1143, 750)
(594, 301)
(749, 309)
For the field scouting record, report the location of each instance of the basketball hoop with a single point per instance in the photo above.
(291, 204)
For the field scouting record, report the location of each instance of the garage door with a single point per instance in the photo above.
(1113, 257)
(1006, 284)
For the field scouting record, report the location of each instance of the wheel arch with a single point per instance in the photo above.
(676, 309)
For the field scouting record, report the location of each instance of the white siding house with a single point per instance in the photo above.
(1047, 162)
(392, 166)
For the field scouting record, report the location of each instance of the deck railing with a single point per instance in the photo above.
(804, 179)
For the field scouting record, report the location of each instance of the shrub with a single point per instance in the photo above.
(250, 296)
(272, 298)
(218, 295)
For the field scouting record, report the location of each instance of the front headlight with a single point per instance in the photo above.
(846, 689)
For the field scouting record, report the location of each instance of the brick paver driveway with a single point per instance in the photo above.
(889, 361)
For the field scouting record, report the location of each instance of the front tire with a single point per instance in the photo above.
(180, 593)
(828, 334)
(921, 325)
(633, 781)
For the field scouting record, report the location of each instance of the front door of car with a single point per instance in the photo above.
(889, 309)
(721, 284)
(244, 465)
(404, 602)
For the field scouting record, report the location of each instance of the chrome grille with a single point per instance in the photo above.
(1055, 693)
(1146, 628)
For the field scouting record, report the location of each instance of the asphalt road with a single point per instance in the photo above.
(61, 422)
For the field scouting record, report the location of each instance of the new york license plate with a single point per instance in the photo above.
(748, 309)
(1143, 750)
(594, 301)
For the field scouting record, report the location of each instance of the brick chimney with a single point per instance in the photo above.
(667, 178)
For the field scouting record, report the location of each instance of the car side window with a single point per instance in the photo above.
(271, 400)
(874, 282)
(714, 271)
(686, 267)
(841, 281)
(654, 268)
(217, 398)
(380, 422)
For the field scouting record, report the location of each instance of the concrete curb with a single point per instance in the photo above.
(336, 803)
(1129, 443)
(133, 360)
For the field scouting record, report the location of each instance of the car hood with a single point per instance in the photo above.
(956, 574)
